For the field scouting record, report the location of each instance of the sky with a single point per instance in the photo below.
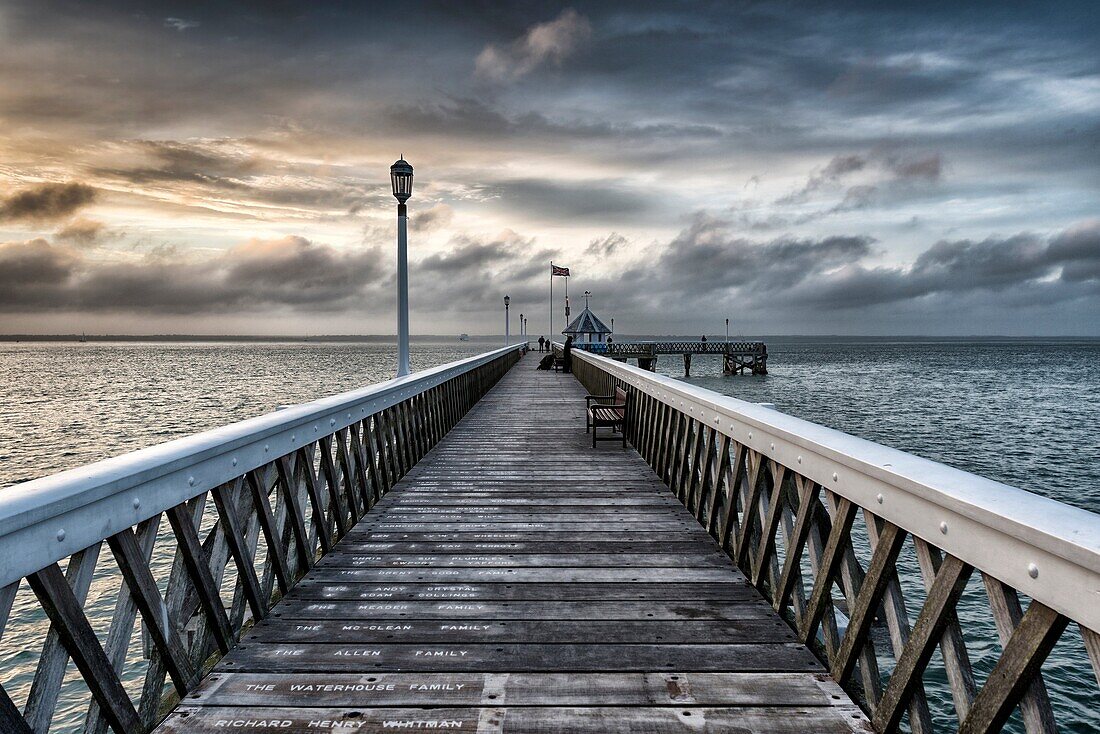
(797, 167)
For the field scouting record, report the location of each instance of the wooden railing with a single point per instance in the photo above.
(249, 508)
(844, 536)
(653, 348)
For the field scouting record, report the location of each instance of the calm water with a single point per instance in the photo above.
(1027, 414)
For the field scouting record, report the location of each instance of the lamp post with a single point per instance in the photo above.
(507, 336)
(401, 176)
(521, 327)
(727, 332)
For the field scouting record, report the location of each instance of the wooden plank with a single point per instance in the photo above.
(501, 656)
(592, 632)
(530, 719)
(324, 588)
(57, 600)
(527, 610)
(530, 575)
(521, 689)
(356, 558)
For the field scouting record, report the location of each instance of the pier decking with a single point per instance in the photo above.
(516, 579)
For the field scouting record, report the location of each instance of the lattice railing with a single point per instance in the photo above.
(933, 595)
(198, 538)
(652, 349)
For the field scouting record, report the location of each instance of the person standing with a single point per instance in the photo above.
(567, 356)
(541, 343)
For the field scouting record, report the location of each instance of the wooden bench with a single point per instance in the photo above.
(605, 414)
(559, 363)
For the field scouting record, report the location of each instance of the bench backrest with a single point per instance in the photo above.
(620, 399)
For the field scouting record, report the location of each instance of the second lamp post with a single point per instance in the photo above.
(507, 335)
(401, 176)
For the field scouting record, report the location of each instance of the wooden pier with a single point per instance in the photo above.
(447, 550)
(737, 357)
(518, 580)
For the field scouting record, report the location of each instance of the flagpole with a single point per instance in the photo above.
(550, 334)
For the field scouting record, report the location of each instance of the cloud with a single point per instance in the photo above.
(549, 42)
(470, 274)
(607, 246)
(600, 200)
(289, 272)
(46, 202)
(435, 217)
(179, 24)
(81, 231)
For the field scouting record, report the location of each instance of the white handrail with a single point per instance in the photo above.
(45, 520)
(1043, 548)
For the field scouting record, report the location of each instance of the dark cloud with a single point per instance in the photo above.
(46, 202)
(603, 200)
(81, 231)
(290, 272)
(470, 274)
(607, 246)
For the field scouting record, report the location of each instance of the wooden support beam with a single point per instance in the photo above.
(831, 558)
(879, 573)
(272, 538)
(42, 700)
(1031, 642)
(198, 569)
(143, 588)
(238, 549)
(288, 483)
(11, 721)
(57, 600)
(796, 543)
(1035, 707)
(938, 606)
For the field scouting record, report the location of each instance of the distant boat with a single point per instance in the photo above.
(464, 337)
(83, 337)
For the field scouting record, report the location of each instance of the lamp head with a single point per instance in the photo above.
(401, 176)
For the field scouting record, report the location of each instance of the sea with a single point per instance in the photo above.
(1021, 411)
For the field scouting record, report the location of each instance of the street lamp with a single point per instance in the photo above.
(401, 176)
(507, 338)
(521, 327)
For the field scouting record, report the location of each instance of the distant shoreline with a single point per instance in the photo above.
(435, 338)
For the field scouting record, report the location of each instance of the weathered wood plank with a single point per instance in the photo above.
(532, 719)
(461, 656)
(521, 689)
(669, 632)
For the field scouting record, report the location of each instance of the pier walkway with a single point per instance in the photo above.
(517, 580)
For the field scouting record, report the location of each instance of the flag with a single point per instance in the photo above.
(555, 270)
